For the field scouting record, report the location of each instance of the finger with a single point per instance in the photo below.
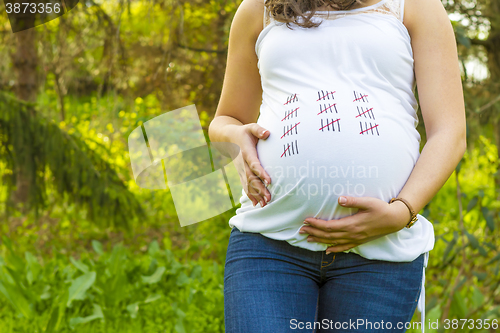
(258, 190)
(258, 186)
(341, 245)
(253, 163)
(251, 185)
(356, 202)
(340, 248)
(252, 199)
(331, 226)
(318, 233)
(329, 241)
(251, 156)
(259, 131)
(247, 186)
(254, 196)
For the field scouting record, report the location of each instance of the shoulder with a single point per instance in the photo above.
(424, 15)
(249, 17)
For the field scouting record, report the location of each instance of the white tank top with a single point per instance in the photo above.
(339, 103)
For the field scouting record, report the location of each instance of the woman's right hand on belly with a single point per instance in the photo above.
(254, 177)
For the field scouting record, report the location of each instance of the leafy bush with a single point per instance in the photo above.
(109, 291)
(462, 278)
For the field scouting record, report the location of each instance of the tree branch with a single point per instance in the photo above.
(200, 50)
(484, 107)
(482, 42)
(77, 172)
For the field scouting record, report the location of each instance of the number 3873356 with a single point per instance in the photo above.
(33, 8)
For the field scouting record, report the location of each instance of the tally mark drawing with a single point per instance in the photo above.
(359, 97)
(366, 113)
(290, 149)
(291, 99)
(289, 129)
(328, 108)
(290, 113)
(324, 95)
(369, 128)
(330, 123)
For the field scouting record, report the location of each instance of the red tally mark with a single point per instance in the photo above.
(290, 113)
(328, 123)
(291, 99)
(366, 113)
(358, 97)
(289, 131)
(369, 128)
(324, 108)
(290, 149)
(323, 95)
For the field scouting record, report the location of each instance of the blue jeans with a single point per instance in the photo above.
(271, 286)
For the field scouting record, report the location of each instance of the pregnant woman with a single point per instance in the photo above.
(319, 96)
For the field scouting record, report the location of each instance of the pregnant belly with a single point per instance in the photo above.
(313, 161)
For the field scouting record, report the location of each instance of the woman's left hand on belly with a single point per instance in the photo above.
(375, 218)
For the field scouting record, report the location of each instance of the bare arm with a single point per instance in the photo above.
(441, 99)
(241, 97)
(242, 92)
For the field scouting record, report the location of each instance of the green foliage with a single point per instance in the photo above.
(462, 277)
(461, 34)
(115, 65)
(128, 290)
(109, 291)
(39, 147)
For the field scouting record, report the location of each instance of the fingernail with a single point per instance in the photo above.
(263, 132)
(266, 183)
(254, 203)
(302, 232)
(262, 203)
(265, 199)
(342, 200)
(328, 252)
(306, 223)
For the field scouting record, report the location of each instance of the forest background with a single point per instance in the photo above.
(84, 249)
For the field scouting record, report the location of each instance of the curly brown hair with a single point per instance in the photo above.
(300, 12)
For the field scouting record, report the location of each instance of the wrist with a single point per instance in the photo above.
(223, 129)
(401, 214)
(224, 137)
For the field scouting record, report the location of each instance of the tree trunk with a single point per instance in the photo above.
(25, 65)
(492, 47)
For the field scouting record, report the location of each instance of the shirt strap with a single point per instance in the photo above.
(266, 19)
(402, 10)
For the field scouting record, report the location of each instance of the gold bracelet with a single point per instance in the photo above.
(413, 218)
